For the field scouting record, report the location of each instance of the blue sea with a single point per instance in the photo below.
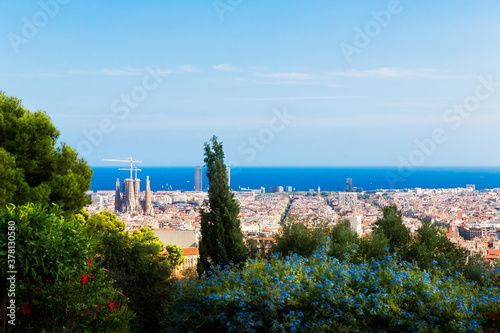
(305, 178)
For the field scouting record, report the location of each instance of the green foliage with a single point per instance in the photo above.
(392, 227)
(374, 247)
(82, 216)
(11, 178)
(429, 244)
(140, 272)
(72, 305)
(295, 237)
(103, 222)
(342, 238)
(32, 168)
(475, 270)
(146, 235)
(222, 239)
(51, 250)
(175, 255)
(47, 245)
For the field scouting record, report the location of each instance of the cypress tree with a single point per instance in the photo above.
(221, 236)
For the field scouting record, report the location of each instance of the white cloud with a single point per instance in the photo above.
(31, 75)
(395, 73)
(121, 72)
(187, 69)
(224, 68)
(124, 71)
(290, 76)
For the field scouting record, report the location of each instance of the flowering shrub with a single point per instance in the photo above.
(322, 294)
(87, 303)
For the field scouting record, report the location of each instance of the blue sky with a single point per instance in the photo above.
(297, 83)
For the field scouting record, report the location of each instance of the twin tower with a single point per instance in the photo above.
(130, 202)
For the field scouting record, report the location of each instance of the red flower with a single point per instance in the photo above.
(97, 308)
(84, 278)
(112, 305)
(26, 308)
(89, 263)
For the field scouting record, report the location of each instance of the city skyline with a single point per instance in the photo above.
(371, 83)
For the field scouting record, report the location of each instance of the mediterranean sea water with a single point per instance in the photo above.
(306, 178)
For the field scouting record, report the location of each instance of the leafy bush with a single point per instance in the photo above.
(322, 294)
(87, 303)
(56, 288)
(295, 237)
(47, 245)
(140, 272)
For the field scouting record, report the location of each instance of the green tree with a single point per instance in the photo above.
(222, 239)
(430, 244)
(295, 237)
(373, 247)
(32, 167)
(392, 227)
(146, 235)
(476, 270)
(175, 254)
(343, 238)
(103, 222)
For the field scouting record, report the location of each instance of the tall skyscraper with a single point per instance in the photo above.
(197, 179)
(348, 184)
(148, 197)
(118, 200)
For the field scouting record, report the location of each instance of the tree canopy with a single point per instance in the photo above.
(222, 239)
(103, 222)
(295, 237)
(391, 226)
(32, 167)
(175, 254)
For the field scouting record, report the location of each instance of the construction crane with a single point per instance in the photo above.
(129, 160)
(135, 169)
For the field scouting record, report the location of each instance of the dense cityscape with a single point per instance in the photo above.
(469, 218)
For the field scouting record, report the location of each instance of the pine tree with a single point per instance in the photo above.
(221, 236)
